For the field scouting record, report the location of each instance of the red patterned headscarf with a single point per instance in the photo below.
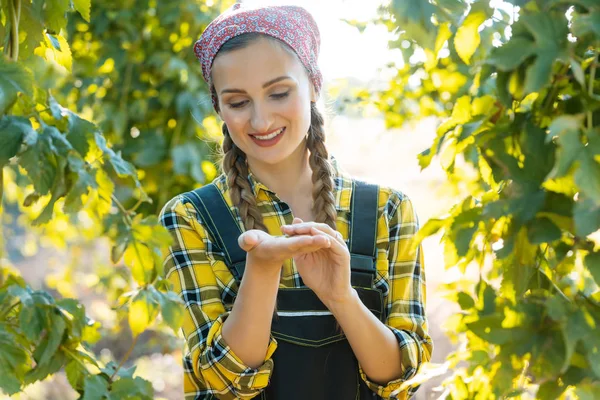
(292, 25)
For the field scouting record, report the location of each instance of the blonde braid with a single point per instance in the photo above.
(235, 167)
(322, 173)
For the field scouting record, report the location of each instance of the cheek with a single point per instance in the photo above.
(298, 109)
(235, 122)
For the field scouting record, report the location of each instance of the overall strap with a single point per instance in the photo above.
(219, 221)
(364, 206)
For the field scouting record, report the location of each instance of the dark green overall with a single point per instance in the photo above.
(313, 359)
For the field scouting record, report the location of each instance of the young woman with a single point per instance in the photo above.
(299, 282)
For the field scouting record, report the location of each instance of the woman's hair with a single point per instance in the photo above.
(234, 163)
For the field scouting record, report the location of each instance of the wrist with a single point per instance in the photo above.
(340, 304)
(266, 270)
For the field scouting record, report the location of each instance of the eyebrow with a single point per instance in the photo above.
(269, 83)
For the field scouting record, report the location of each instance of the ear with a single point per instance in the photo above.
(313, 94)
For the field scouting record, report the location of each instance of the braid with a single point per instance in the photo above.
(235, 167)
(322, 174)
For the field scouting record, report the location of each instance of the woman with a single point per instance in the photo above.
(329, 297)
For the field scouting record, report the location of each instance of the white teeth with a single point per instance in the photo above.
(270, 136)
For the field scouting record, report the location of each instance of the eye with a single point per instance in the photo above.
(238, 105)
(280, 95)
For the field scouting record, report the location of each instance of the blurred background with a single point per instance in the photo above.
(351, 60)
(120, 80)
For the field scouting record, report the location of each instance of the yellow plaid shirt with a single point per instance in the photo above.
(196, 268)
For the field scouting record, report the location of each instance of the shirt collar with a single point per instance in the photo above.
(342, 186)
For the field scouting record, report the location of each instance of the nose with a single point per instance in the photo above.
(261, 117)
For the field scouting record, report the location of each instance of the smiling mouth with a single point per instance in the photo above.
(270, 135)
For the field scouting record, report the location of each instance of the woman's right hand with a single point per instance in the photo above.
(271, 251)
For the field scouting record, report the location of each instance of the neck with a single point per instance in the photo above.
(290, 179)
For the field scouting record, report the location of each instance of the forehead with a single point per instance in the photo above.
(251, 66)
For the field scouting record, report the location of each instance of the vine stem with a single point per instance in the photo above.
(591, 88)
(74, 357)
(123, 210)
(125, 357)
(4, 314)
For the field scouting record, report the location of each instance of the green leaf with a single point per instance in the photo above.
(40, 163)
(172, 310)
(84, 181)
(22, 293)
(12, 360)
(430, 228)
(587, 216)
(550, 32)
(569, 150)
(512, 54)
(542, 230)
(453, 8)
(13, 132)
(592, 261)
(76, 320)
(138, 388)
(139, 258)
(95, 388)
(587, 176)
(467, 37)
(465, 301)
(564, 123)
(592, 352)
(75, 374)
(41, 371)
(414, 16)
(55, 335)
(56, 14)
(584, 24)
(444, 33)
(14, 79)
(142, 312)
(82, 134)
(84, 8)
(549, 390)
(56, 45)
(33, 320)
(32, 22)
(577, 72)
(502, 88)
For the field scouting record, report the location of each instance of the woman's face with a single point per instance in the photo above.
(264, 90)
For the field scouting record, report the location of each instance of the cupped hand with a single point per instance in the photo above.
(327, 270)
(269, 252)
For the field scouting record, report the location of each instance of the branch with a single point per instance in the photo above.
(125, 357)
(74, 358)
(123, 210)
(591, 89)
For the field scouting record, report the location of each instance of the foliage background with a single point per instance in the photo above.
(101, 120)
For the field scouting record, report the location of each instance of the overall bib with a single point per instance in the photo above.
(313, 359)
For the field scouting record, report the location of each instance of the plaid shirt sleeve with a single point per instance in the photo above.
(405, 304)
(210, 367)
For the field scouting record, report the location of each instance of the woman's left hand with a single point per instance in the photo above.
(325, 271)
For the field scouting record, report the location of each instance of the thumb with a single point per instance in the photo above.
(249, 240)
(297, 220)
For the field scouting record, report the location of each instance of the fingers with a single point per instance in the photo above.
(280, 247)
(305, 228)
(338, 246)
